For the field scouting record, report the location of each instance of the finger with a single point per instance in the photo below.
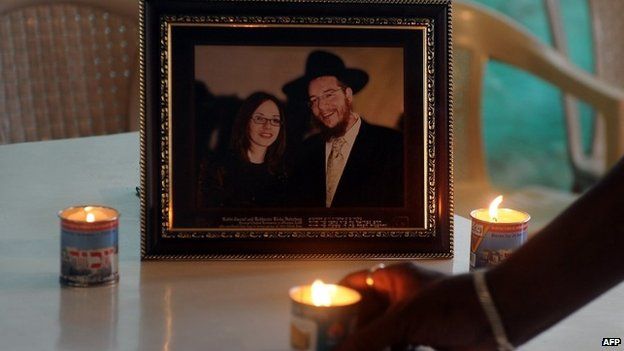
(395, 282)
(406, 280)
(390, 285)
(381, 281)
(372, 304)
(356, 280)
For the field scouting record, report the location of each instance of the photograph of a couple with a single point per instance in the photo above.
(300, 127)
(300, 135)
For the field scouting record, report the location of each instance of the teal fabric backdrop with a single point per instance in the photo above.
(523, 115)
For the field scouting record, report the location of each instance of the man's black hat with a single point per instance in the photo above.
(323, 63)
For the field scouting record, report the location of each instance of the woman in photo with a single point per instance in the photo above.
(252, 173)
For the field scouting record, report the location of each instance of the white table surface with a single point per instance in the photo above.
(192, 305)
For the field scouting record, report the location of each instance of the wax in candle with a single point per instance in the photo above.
(505, 215)
(324, 295)
(89, 214)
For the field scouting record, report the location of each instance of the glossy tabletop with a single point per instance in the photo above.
(175, 305)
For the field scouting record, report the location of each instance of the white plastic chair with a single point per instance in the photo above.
(480, 35)
(67, 69)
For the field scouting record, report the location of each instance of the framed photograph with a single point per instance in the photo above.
(296, 129)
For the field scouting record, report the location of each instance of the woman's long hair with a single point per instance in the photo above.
(240, 142)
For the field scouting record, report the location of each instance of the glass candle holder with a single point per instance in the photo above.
(322, 315)
(89, 246)
(493, 239)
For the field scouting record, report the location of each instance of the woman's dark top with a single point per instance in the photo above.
(232, 182)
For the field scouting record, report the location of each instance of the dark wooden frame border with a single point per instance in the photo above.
(157, 242)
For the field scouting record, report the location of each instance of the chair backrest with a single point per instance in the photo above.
(608, 48)
(480, 35)
(66, 69)
(608, 27)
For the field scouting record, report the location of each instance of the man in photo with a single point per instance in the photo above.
(349, 163)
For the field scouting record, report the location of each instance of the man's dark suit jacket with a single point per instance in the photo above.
(372, 177)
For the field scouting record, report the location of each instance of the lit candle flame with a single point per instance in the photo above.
(90, 217)
(494, 207)
(322, 293)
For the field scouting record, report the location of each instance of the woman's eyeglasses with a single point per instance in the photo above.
(275, 122)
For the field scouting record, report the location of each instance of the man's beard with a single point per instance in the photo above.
(338, 130)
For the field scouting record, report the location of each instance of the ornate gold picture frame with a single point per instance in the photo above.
(290, 130)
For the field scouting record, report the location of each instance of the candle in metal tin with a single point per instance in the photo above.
(89, 246)
(322, 315)
(496, 233)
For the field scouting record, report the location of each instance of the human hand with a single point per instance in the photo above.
(410, 305)
(391, 285)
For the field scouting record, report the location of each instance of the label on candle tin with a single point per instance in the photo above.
(303, 333)
(491, 243)
(316, 328)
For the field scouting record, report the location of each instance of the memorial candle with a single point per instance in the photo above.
(496, 233)
(322, 315)
(89, 246)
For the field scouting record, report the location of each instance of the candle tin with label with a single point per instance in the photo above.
(492, 242)
(89, 246)
(321, 328)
